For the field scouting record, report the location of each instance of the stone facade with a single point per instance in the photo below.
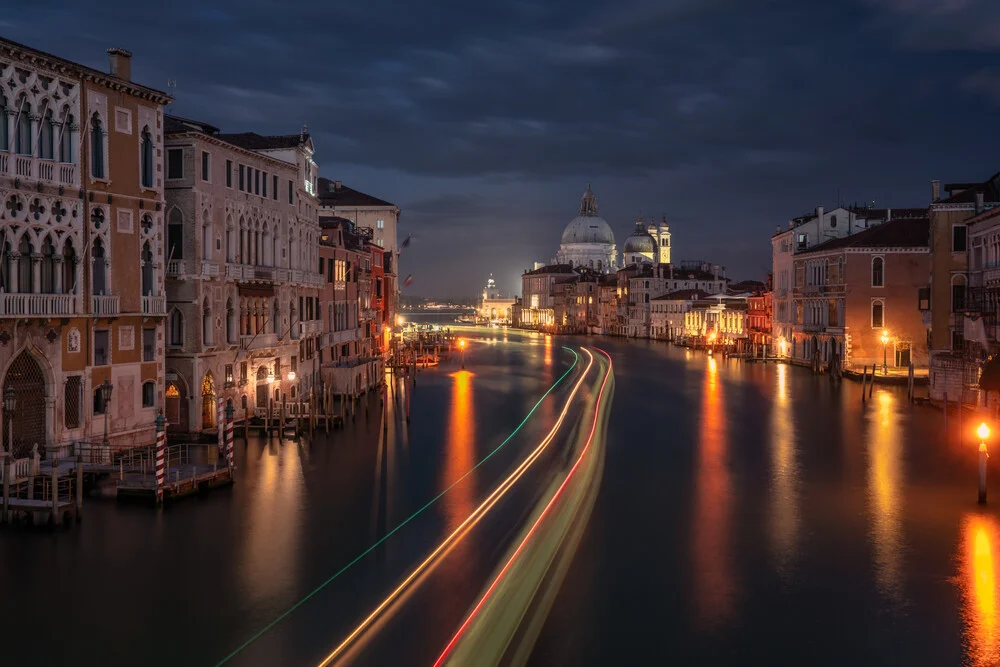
(82, 236)
(242, 285)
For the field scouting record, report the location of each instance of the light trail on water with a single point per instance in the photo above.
(464, 527)
(520, 547)
(260, 633)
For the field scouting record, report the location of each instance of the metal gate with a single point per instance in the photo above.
(29, 422)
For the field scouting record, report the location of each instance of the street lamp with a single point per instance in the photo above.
(885, 339)
(983, 432)
(9, 406)
(461, 346)
(291, 376)
(106, 388)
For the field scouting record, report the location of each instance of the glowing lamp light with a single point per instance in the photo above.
(291, 376)
(270, 377)
(885, 336)
(461, 343)
(983, 431)
(399, 320)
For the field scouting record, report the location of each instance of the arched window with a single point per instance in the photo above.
(147, 269)
(66, 141)
(878, 272)
(293, 324)
(206, 323)
(48, 272)
(230, 322)
(275, 320)
(46, 148)
(175, 235)
(176, 328)
(149, 394)
(5, 261)
(99, 268)
(147, 158)
(25, 275)
(69, 268)
(206, 238)
(878, 314)
(23, 143)
(957, 293)
(96, 147)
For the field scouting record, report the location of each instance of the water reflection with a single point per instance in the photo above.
(885, 482)
(460, 450)
(713, 568)
(979, 589)
(548, 350)
(784, 514)
(272, 534)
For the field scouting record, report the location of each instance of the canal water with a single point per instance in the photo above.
(749, 515)
(757, 515)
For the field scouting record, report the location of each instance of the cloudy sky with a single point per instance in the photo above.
(484, 121)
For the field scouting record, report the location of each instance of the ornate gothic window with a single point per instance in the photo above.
(97, 147)
(23, 137)
(147, 158)
(175, 235)
(66, 140)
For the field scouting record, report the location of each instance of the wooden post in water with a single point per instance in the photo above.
(79, 487)
(864, 382)
(55, 492)
(946, 439)
(269, 422)
(961, 395)
(909, 374)
(872, 387)
(7, 472)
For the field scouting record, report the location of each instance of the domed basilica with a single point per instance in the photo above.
(589, 242)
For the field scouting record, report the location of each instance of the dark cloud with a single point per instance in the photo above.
(485, 120)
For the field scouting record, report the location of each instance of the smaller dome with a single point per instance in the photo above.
(640, 241)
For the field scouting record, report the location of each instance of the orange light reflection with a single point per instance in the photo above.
(548, 350)
(978, 582)
(460, 450)
(713, 569)
(885, 480)
(784, 478)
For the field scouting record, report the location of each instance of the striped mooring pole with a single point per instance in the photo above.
(229, 437)
(161, 451)
(221, 427)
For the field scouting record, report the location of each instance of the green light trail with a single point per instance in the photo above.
(260, 633)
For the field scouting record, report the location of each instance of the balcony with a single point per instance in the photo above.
(37, 305)
(341, 337)
(105, 306)
(813, 328)
(36, 169)
(209, 270)
(310, 328)
(258, 342)
(176, 268)
(154, 305)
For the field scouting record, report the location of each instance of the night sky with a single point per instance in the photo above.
(484, 121)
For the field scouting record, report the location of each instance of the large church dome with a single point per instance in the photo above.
(588, 229)
(588, 240)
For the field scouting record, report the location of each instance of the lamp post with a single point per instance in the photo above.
(885, 339)
(106, 388)
(983, 432)
(9, 407)
(461, 346)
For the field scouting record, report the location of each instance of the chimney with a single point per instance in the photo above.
(671, 271)
(790, 224)
(336, 185)
(819, 213)
(120, 63)
(888, 215)
(715, 269)
(935, 190)
(777, 229)
(979, 202)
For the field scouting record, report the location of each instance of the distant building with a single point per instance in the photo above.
(848, 291)
(588, 240)
(494, 307)
(759, 320)
(537, 301)
(667, 313)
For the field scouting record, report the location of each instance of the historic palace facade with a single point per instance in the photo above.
(81, 273)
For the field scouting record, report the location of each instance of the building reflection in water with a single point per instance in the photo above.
(978, 583)
(272, 534)
(885, 501)
(460, 451)
(711, 540)
(784, 514)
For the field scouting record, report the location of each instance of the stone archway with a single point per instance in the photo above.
(30, 423)
(176, 411)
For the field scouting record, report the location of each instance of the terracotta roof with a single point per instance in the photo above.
(335, 193)
(990, 189)
(883, 213)
(552, 268)
(747, 286)
(684, 295)
(256, 142)
(178, 125)
(901, 233)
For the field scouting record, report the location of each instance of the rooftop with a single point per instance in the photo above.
(684, 295)
(178, 125)
(552, 268)
(257, 142)
(897, 233)
(335, 193)
(965, 193)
